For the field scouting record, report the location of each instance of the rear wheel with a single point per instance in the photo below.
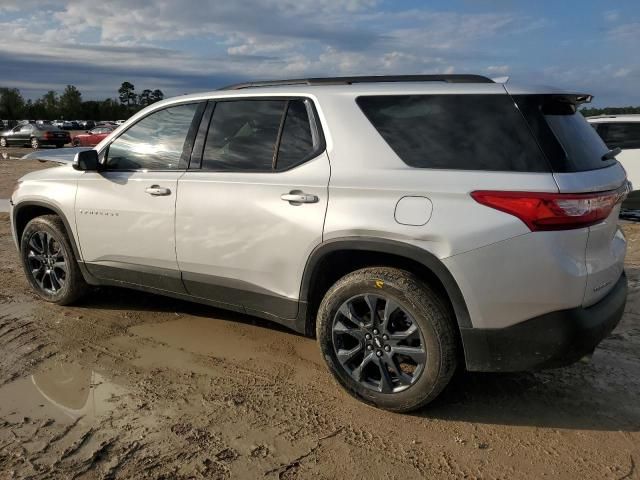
(49, 262)
(3, 142)
(76, 142)
(35, 143)
(387, 338)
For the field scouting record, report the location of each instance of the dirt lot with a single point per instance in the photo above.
(129, 385)
(11, 168)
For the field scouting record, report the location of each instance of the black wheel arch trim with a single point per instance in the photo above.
(88, 277)
(393, 247)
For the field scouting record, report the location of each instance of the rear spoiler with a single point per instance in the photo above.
(62, 156)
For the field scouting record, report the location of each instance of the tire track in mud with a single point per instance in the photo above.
(273, 412)
(23, 343)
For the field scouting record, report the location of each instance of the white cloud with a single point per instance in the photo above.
(497, 69)
(626, 32)
(611, 15)
(199, 44)
(622, 72)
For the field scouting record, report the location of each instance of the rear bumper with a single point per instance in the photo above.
(552, 340)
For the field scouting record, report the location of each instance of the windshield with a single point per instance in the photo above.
(569, 142)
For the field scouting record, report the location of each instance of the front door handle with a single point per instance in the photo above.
(296, 197)
(157, 191)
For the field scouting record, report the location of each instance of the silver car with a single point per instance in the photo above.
(35, 135)
(414, 225)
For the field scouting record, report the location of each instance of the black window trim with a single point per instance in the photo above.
(317, 135)
(187, 147)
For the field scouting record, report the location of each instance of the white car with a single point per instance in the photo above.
(623, 131)
(413, 224)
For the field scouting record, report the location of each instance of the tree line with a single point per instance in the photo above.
(590, 111)
(70, 106)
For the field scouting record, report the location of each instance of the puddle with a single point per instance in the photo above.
(61, 391)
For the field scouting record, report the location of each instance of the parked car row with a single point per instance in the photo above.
(62, 124)
(37, 135)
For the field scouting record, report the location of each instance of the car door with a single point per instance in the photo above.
(125, 212)
(93, 137)
(252, 205)
(21, 135)
(11, 137)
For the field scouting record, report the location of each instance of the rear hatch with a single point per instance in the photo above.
(581, 164)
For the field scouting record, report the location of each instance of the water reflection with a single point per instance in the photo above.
(63, 392)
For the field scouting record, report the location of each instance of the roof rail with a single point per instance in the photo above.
(452, 78)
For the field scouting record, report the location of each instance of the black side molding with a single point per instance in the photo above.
(552, 340)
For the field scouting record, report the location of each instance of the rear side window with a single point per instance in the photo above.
(462, 132)
(623, 135)
(568, 141)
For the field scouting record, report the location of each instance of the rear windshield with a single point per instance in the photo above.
(463, 132)
(569, 142)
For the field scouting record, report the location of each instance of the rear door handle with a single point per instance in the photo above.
(296, 197)
(157, 191)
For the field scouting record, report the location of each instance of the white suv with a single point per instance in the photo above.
(623, 131)
(413, 224)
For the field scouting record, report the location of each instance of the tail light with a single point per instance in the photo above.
(553, 211)
(48, 135)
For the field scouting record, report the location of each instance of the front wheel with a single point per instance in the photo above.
(387, 338)
(49, 262)
(35, 143)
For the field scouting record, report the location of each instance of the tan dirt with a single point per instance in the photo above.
(12, 168)
(132, 385)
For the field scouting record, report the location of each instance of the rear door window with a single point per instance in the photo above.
(296, 144)
(462, 132)
(259, 135)
(242, 135)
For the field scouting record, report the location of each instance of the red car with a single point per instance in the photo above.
(91, 138)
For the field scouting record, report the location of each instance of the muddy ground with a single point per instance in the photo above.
(131, 385)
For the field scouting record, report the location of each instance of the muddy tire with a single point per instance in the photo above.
(387, 338)
(35, 143)
(3, 142)
(49, 262)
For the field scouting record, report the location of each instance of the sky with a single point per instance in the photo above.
(185, 46)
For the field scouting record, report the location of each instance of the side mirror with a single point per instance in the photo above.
(86, 161)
